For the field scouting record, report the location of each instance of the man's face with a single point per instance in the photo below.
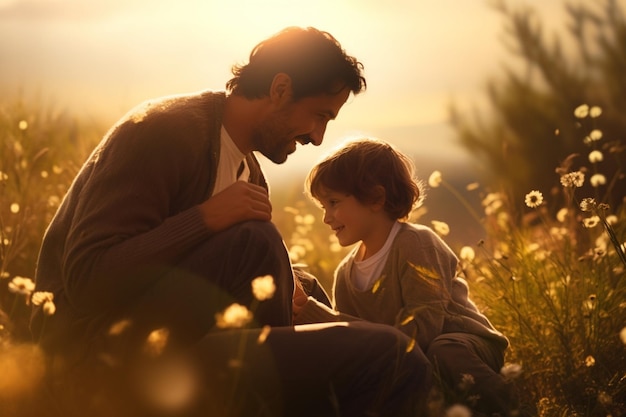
(303, 121)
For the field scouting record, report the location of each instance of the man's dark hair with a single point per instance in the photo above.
(313, 59)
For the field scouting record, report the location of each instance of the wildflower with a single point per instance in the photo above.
(541, 255)
(590, 303)
(534, 199)
(588, 204)
(511, 370)
(503, 220)
(49, 308)
(458, 410)
(561, 215)
(611, 219)
(472, 186)
(46, 299)
(119, 327)
(54, 201)
(467, 254)
(234, 316)
(15, 208)
(492, 202)
(435, 179)
(156, 342)
(559, 232)
(595, 156)
(532, 247)
(573, 179)
(44, 174)
(21, 285)
(597, 180)
(591, 222)
(590, 361)
(41, 297)
(581, 111)
(441, 228)
(23, 125)
(263, 287)
(297, 252)
(595, 135)
(595, 111)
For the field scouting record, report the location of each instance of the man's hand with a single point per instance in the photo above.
(239, 202)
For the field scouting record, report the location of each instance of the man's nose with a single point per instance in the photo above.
(317, 136)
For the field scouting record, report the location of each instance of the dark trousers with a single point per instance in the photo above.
(470, 365)
(269, 369)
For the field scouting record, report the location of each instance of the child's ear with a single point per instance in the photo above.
(378, 202)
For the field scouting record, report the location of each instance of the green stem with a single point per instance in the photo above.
(463, 201)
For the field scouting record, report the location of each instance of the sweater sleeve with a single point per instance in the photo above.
(136, 207)
(424, 269)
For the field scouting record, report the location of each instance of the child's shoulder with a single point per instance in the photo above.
(416, 230)
(416, 234)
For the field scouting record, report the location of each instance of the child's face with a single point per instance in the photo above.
(351, 220)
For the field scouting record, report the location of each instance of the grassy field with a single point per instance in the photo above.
(551, 278)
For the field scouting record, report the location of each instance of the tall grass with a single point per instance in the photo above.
(550, 274)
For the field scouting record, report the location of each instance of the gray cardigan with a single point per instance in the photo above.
(133, 205)
(418, 291)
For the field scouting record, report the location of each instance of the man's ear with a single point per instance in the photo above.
(280, 89)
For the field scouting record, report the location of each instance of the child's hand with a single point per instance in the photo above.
(299, 297)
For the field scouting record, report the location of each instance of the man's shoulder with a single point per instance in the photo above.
(177, 107)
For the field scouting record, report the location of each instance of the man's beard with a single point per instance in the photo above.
(274, 139)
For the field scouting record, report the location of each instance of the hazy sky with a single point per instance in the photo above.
(102, 57)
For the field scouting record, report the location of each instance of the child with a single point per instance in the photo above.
(403, 274)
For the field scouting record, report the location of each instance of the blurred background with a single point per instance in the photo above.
(475, 89)
(98, 59)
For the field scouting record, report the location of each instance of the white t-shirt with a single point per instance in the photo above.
(230, 161)
(365, 273)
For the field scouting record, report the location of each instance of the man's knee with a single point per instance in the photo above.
(445, 347)
(258, 234)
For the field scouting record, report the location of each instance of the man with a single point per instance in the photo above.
(166, 226)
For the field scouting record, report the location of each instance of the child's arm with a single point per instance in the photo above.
(424, 270)
(424, 311)
(306, 309)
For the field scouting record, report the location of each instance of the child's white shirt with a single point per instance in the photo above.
(366, 272)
